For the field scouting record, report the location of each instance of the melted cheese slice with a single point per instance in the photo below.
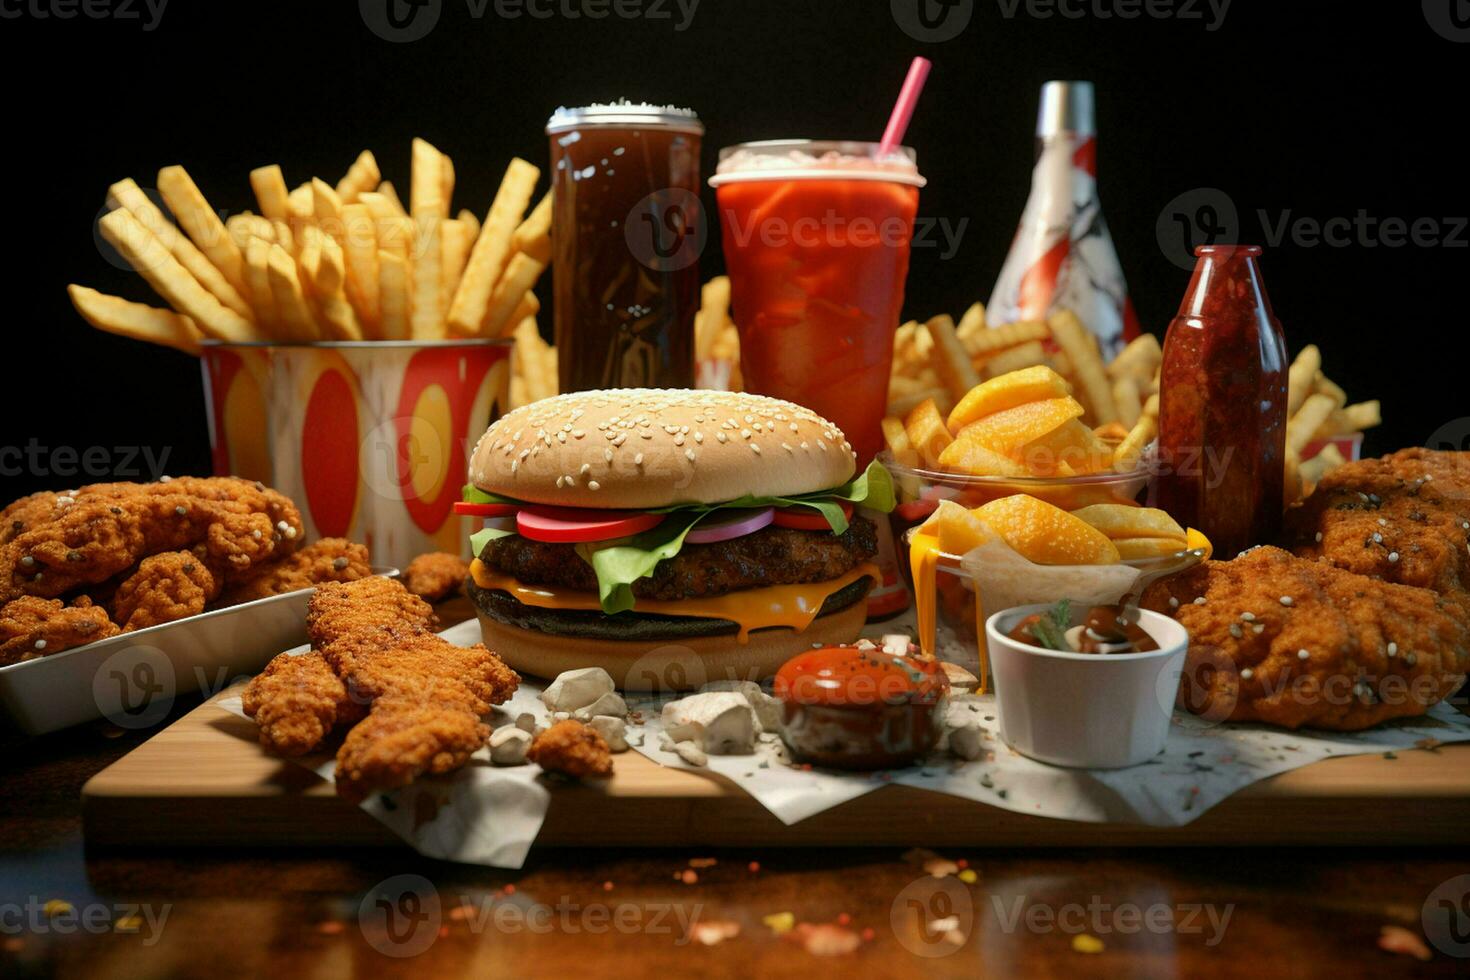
(793, 606)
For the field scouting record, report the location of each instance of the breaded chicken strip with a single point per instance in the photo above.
(337, 609)
(32, 627)
(327, 560)
(93, 534)
(403, 738)
(405, 661)
(297, 701)
(573, 749)
(1295, 642)
(165, 587)
(436, 575)
(425, 695)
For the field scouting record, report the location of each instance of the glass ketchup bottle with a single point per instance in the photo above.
(1222, 405)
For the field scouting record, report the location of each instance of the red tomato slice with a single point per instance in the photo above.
(466, 509)
(572, 525)
(806, 519)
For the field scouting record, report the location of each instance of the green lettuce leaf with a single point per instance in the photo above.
(474, 495)
(620, 563)
(484, 536)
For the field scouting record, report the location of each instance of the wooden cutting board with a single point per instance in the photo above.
(205, 781)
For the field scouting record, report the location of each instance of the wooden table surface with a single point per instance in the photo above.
(1164, 913)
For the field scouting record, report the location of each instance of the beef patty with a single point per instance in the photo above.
(770, 556)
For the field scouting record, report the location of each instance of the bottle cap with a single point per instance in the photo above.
(625, 114)
(1066, 107)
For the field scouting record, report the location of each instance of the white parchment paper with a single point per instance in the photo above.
(1202, 764)
(490, 815)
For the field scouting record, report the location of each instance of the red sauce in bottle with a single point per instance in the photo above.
(1222, 405)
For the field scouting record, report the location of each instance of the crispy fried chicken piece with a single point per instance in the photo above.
(297, 701)
(25, 512)
(403, 738)
(573, 749)
(31, 627)
(327, 560)
(435, 575)
(377, 662)
(93, 534)
(1404, 518)
(426, 695)
(165, 587)
(1374, 650)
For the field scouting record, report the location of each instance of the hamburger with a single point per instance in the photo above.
(669, 537)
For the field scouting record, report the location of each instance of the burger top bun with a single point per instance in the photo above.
(639, 448)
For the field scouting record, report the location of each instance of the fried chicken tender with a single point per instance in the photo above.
(401, 739)
(31, 627)
(165, 587)
(573, 749)
(1404, 518)
(335, 610)
(422, 695)
(88, 536)
(377, 662)
(327, 560)
(297, 701)
(1295, 642)
(435, 575)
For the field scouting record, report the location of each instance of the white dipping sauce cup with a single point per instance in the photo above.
(1083, 710)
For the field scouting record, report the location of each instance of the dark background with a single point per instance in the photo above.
(1320, 108)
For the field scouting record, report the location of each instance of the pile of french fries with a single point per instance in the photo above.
(1318, 412)
(325, 262)
(941, 360)
(716, 341)
(715, 336)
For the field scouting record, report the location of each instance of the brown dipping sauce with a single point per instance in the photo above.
(1107, 631)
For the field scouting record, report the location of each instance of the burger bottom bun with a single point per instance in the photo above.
(657, 666)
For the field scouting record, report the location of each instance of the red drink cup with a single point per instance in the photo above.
(816, 238)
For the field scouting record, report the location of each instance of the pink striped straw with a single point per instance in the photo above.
(903, 109)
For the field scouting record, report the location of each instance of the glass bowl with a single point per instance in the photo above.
(920, 491)
(950, 625)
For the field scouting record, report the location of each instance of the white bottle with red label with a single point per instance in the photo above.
(1062, 256)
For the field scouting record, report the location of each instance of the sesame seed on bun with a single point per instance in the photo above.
(642, 448)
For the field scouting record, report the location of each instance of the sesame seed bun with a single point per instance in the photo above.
(640, 448)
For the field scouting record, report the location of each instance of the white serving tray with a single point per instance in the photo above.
(131, 679)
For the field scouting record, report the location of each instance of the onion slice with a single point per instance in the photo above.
(724, 525)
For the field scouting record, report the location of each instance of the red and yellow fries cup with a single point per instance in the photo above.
(372, 440)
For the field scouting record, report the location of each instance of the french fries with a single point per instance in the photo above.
(1318, 412)
(923, 360)
(135, 320)
(201, 223)
(951, 360)
(492, 248)
(329, 261)
(145, 253)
